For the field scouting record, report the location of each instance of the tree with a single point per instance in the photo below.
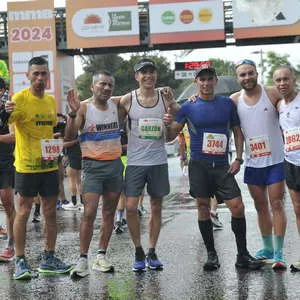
(274, 61)
(223, 67)
(123, 72)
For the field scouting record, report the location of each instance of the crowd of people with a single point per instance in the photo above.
(34, 137)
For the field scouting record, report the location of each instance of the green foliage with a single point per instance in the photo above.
(274, 61)
(123, 72)
(223, 67)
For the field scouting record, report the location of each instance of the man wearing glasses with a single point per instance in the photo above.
(264, 174)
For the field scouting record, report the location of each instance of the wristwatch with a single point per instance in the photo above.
(72, 115)
(240, 160)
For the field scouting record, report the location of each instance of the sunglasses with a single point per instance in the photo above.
(245, 62)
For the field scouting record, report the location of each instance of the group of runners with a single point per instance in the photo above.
(153, 117)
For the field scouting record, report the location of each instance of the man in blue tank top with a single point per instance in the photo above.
(210, 119)
(264, 174)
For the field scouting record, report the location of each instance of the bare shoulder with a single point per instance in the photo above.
(235, 97)
(125, 101)
(116, 99)
(273, 94)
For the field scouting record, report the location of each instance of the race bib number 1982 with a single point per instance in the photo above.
(292, 139)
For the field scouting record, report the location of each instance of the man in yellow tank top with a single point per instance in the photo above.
(33, 113)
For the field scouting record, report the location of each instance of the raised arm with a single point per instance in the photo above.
(76, 116)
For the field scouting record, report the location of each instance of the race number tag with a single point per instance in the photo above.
(292, 139)
(150, 128)
(51, 148)
(258, 146)
(214, 143)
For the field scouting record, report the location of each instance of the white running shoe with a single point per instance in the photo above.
(81, 269)
(102, 265)
(70, 206)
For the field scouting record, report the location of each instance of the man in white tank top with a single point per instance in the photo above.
(96, 119)
(264, 173)
(289, 117)
(147, 157)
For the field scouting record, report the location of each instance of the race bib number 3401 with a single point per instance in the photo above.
(214, 143)
(258, 146)
(292, 139)
(51, 148)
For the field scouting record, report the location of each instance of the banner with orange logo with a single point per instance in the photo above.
(176, 21)
(109, 23)
(31, 33)
(266, 18)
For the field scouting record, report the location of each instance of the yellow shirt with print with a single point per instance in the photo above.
(34, 119)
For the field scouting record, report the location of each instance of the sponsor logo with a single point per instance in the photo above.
(168, 17)
(92, 19)
(28, 15)
(186, 16)
(119, 21)
(205, 15)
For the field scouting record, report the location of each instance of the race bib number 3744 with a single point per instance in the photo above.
(214, 143)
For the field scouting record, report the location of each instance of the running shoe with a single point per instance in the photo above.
(64, 202)
(215, 220)
(153, 263)
(124, 222)
(101, 264)
(7, 254)
(265, 255)
(118, 228)
(58, 204)
(70, 206)
(53, 265)
(141, 211)
(22, 270)
(212, 262)
(246, 261)
(296, 266)
(139, 266)
(81, 269)
(279, 263)
(36, 218)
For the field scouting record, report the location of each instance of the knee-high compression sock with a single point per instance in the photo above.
(120, 213)
(206, 229)
(238, 226)
(268, 242)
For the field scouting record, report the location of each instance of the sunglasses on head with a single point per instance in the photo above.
(245, 62)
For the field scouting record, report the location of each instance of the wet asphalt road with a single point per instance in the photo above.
(180, 248)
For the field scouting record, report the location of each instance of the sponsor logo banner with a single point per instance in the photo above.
(266, 18)
(186, 21)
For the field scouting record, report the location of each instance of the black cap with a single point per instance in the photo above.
(145, 62)
(205, 67)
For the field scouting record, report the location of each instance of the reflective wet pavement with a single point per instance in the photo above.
(180, 248)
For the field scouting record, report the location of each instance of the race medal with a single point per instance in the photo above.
(51, 148)
(150, 128)
(214, 143)
(291, 139)
(258, 146)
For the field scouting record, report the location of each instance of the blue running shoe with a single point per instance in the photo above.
(22, 270)
(153, 262)
(279, 263)
(265, 255)
(58, 204)
(53, 265)
(139, 266)
(64, 202)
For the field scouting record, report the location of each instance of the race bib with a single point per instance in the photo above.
(291, 139)
(150, 128)
(258, 146)
(51, 148)
(214, 143)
